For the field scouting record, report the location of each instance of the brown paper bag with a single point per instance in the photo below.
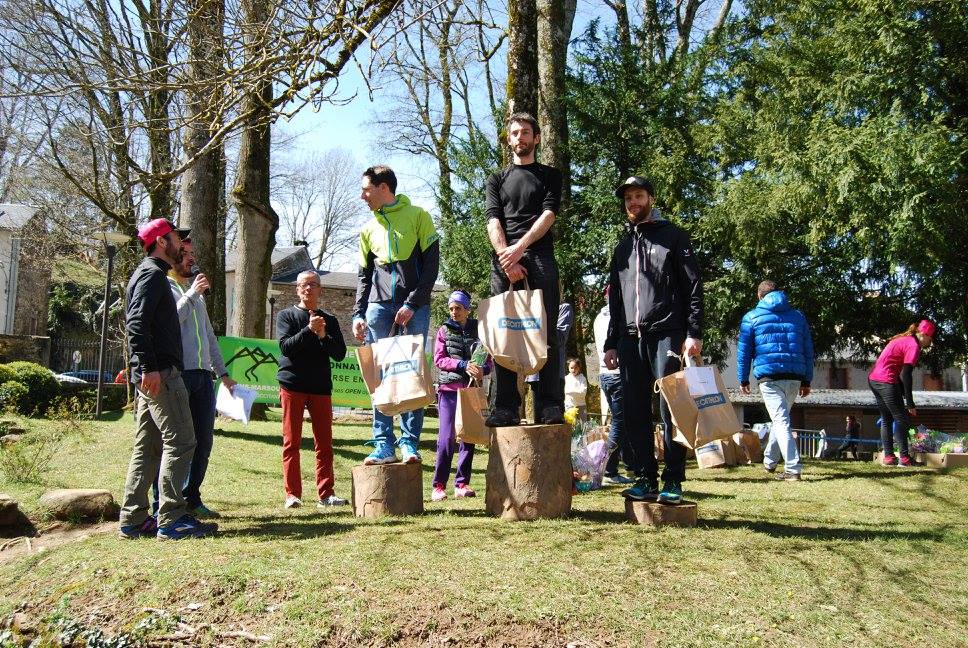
(471, 413)
(402, 385)
(749, 448)
(513, 327)
(703, 418)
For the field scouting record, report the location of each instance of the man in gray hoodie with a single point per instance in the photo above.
(203, 361)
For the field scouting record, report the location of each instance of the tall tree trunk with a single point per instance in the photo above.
(258, 222)
(623, 28)
(203, 184)
(158, 99)
(522, 83)
(555, 18)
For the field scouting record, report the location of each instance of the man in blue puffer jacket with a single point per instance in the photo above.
(775, 338)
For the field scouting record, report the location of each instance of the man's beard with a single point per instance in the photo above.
(642, 215)
(178, 255)
(526, 150)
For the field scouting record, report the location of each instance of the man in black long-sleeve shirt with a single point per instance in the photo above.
(308, 339)
(522, 202)
(165, 438)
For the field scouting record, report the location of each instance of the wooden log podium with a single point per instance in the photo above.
(387, 489)
(684, 514)
(529, 474)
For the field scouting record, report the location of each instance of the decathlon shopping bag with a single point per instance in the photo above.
(514, 329)
(402, 373)
(700, 408)
(471, 413)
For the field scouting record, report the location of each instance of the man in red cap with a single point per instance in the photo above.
(165, 438)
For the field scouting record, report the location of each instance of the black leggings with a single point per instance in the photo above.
(890, 401)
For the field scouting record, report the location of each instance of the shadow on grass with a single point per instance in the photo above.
(300, 527)
(777, 530)
(813, 477)
(599, 516)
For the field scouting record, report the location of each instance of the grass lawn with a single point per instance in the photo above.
(856, 554)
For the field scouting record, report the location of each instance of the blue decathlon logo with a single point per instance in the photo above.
(404, 366)
(519, 323)
(709, 400)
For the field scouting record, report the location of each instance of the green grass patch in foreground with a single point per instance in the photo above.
(856, 554)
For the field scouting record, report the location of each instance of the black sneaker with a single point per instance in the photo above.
(644, 490)
(502, 417)
(552, 415)
(787, 476)
(146, 529)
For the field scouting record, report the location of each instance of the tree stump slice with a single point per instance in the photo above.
(387, 489)
(684, 514)
(529, 473)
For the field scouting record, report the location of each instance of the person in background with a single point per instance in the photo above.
(851, 434)
(455, 343)
(775, 339)
(308, 339)
(891, 380)
(576, 387)
(610, 384)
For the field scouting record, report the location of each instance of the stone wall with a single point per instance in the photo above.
(33, 348)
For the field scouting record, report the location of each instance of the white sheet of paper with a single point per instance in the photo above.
(701, 381)
(236, 406)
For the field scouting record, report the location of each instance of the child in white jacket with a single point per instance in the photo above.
(575, 388)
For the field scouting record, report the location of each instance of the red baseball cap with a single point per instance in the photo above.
(154, 229)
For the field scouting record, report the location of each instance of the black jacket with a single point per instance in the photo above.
(654, 282)
(154, 334)
(304, 358)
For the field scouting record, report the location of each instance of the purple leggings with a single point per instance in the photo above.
(447, 444)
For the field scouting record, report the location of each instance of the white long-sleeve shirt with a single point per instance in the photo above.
(575, 389)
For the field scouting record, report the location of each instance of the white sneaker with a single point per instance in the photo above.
(293, 502)
(332, 500)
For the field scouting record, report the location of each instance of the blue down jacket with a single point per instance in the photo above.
(775, 338)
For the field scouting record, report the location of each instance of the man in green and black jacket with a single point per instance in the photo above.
(399, 261)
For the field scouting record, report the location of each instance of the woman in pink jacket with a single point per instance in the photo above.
(892, 383)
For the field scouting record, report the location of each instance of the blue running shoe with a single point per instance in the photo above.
(409, 453)
(186, 527)
(643, 489)
(671, 493)
(382, 454)
(146, 529)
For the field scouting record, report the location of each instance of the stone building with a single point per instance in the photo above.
(24, 271)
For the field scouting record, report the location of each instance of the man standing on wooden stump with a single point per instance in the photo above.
(399, 260)
(521, 204)
(655, 302)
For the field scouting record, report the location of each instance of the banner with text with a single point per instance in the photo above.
(253, 362)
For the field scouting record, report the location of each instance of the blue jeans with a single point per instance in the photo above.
(201, 401)
(379, 322)
(779, 396)
(611, 386)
